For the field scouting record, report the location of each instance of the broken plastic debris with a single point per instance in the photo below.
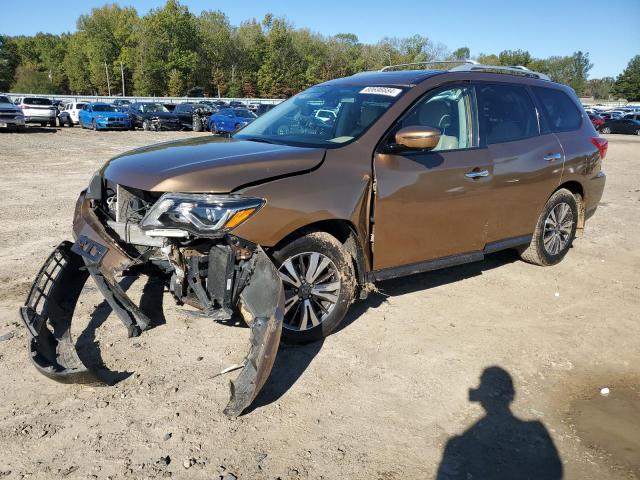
(604, 391)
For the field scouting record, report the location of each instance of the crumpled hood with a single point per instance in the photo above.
(208, 164)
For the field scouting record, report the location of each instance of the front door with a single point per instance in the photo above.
(432, 204)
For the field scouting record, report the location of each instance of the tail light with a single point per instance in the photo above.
(602, 144)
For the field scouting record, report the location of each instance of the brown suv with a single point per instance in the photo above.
(356, 180)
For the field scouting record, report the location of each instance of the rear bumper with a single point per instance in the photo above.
(593, 193)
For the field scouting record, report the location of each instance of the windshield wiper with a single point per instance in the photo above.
(258, 139)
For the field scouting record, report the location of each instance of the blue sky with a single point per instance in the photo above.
(608, 30)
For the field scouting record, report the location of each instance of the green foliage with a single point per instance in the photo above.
(600, 88)
(108, 35)
(30, 79)
(461, 53)
(8, 62)
(628, 82)
(171, 51)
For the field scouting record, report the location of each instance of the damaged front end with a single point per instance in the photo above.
(186, 241)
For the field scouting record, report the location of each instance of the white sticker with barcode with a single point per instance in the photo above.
(388, 91)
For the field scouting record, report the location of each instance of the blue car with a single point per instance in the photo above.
(100, 116)
(228, 120)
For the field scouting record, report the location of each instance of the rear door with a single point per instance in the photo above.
(433, 204)
(527, 158)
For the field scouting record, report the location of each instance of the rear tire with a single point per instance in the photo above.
(315, 301)
(555, 230)
(146, 125)
(70, 123)
(52, 123)
(197, 124)
(214, 129)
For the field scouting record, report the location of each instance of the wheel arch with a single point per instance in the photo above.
(577, 190)
(344, 231)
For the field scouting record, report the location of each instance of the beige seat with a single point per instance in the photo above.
(436, 114)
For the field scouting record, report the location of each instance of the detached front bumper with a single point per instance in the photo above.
(49, 308)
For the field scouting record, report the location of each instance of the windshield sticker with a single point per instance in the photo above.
(389, 92)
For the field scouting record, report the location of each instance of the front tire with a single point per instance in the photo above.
(146, 125)
(555, 230)
(319, 282)
(606, 130)
(94, 125)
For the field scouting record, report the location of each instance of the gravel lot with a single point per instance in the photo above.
(380, 399)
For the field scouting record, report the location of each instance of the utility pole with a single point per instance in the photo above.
(107, 72)
(122, 74)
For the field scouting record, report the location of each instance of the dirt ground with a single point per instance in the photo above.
(386, 397)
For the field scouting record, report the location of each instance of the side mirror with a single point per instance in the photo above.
(418, 138)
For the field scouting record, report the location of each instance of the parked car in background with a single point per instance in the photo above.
(596, 120)
(610, 115)
(11, 117)
(264, 108)
(632, 116)
(102, 116)
(121, 102)
(153, 116)
(621, 125)
(69, 113)
(237, 103)
(194, 116)
(228, 120)
(38, 110)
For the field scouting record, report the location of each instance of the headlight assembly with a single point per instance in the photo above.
(175, 214)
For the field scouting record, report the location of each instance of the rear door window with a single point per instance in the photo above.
(506, 113)
(561, 112)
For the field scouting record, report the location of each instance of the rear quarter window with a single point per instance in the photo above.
(561, 112)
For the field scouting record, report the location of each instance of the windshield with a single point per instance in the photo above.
(154, 108)
(103, 108)
(241, 112)
(4, 99)
(346, 111)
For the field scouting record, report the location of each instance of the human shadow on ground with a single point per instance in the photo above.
(292, 361)
(88, 347)
(500, 446)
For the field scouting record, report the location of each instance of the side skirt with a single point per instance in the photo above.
(445, 262)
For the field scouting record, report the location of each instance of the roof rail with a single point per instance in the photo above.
(472, 65)
(515, 70)
(434, 62)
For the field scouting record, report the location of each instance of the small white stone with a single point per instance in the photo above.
(604, 391)
(557, 294)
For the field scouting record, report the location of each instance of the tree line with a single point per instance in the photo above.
(170, 51)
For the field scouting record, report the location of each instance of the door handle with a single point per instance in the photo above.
(477, 174)
(553, 156)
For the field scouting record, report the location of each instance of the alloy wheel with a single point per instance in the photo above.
(557, 228)
(312, 287)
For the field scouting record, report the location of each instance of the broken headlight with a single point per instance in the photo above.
(177, 214)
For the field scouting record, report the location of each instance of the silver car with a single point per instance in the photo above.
(11, 117)
(38, 110)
